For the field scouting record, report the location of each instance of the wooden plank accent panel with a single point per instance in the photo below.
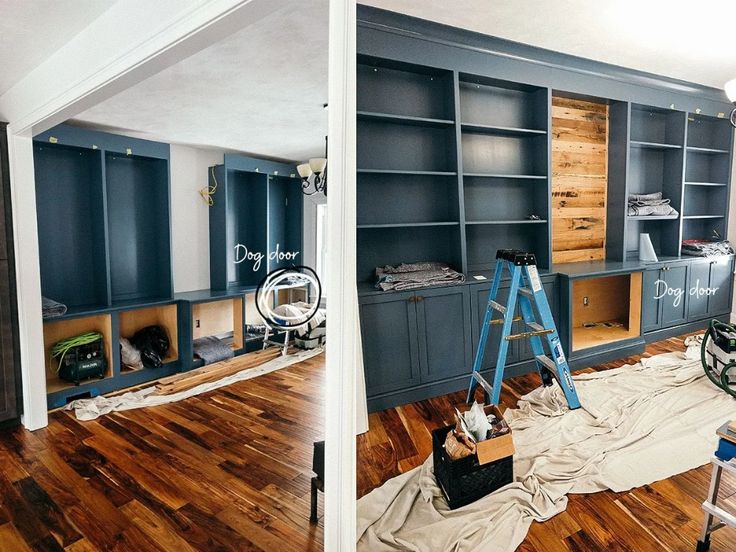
(57, 330)
(579, 180)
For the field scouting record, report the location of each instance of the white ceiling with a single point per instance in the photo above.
(259, 91)
(688, 40)
(32, 30)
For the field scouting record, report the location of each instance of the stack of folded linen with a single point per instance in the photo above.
(416, 275)
(650, 205)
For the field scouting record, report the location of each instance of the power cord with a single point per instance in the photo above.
(61, 348)
(208, 191)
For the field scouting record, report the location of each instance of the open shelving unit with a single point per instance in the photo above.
(657, 139)
(103, 218)
(504, 154)
(407, 182)
(130, 321)
(57, 330)
(707, 174)
(257, 204)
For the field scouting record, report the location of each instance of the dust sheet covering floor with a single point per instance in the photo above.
(226, 470)
(665, 515)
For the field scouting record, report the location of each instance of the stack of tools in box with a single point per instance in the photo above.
(475, 456)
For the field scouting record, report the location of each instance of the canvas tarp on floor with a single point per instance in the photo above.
(638, 424)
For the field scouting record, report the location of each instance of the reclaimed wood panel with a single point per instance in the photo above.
(227, 470)
(579, 180)
(665, 515)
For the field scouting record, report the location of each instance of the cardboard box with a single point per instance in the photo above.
(496, 448)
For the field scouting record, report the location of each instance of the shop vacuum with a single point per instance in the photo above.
(718, 355)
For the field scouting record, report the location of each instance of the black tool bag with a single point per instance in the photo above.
(153, 343)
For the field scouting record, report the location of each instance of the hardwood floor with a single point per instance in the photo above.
(226, 470)
(665, 515)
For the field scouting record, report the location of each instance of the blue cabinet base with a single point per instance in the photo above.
(578, 361)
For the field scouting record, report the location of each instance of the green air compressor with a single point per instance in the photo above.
(718, 355)
(80, 357)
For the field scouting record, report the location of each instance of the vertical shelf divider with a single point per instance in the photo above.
(459, 164)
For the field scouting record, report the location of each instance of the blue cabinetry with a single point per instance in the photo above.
(454, 148)
(415, 338)
(688, 291)
(256, 215)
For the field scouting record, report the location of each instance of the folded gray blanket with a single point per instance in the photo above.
(416, 275)
(51, 308)
(650, 205)
(210, 349)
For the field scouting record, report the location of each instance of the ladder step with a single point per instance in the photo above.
(547, 363)
(501, 321)
(526, 335)
(497, 306)
(526, 291)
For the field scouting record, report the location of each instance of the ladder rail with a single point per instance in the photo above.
(487, 320)
(527, 288)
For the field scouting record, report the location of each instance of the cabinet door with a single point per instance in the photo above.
(651, 307)
(697, 284)
(390, 346)
(721, 279)
(674, 302)
(478, 303)
(445, 341)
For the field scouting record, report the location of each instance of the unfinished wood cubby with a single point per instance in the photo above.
(130, 321)
(56, 330)
(218, 318)
(614, 300)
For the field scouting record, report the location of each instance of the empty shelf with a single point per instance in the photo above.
(653, 145)
(501, 131)
(404, 119)
(408, 224)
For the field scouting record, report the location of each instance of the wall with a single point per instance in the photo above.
(190, 216)
(309, 257)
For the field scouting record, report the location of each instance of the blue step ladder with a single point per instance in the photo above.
(526, 285)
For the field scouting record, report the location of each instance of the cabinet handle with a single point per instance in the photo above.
(411, 299)
(420, 298)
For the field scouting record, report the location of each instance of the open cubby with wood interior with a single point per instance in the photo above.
(138, 227)
(285, 213)
(500, 107)
(483, 240)
(404, 92)
(653, 127)
(71, 225)
(222, 319)
(130, 321)
(605, 309)
(56, 330)
(397, 199)
(392, 246)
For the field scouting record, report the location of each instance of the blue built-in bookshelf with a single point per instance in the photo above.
(257, 205)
